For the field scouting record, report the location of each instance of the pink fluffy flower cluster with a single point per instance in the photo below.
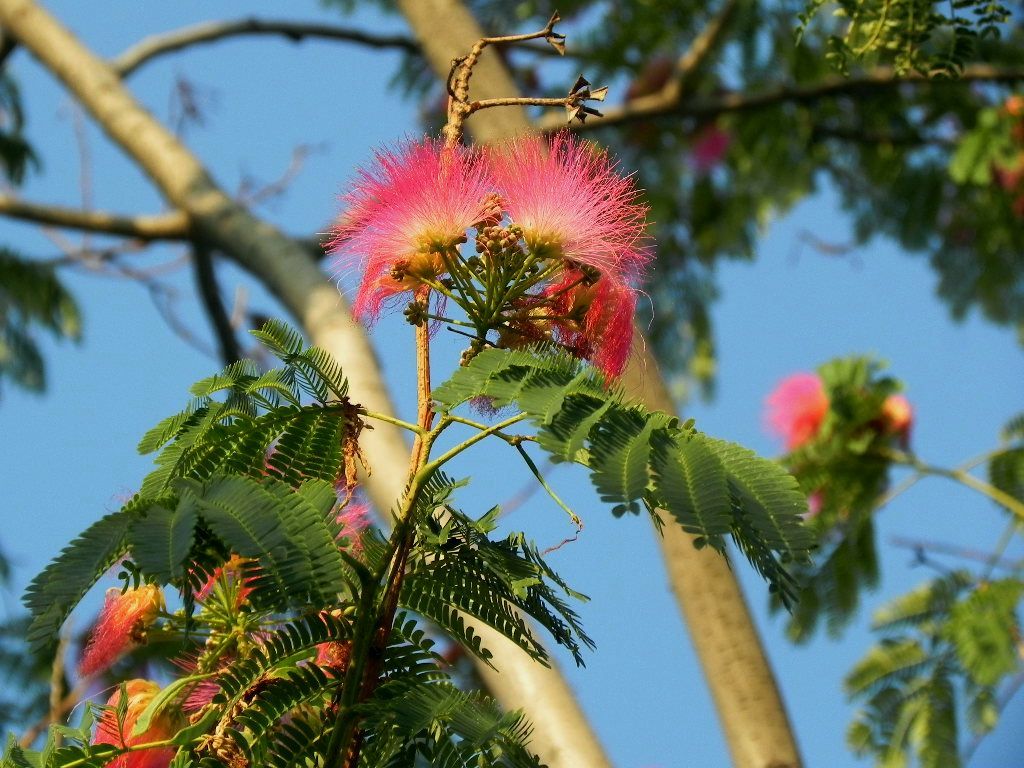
(797, 407)
(559, 235)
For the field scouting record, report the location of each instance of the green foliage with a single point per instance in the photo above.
(214, 477)
(923, 35)
(845, 467)
(642, 459)
(31, 298)
(1006, 467)
(16, 155)
(445, 727)
(54, 592)
(948, 645)
(987, 145)
(460, 572)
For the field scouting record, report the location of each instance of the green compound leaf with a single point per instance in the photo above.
(639, 459)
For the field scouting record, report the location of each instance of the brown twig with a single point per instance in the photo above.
(459, 105)
(953, 550)
(279, 186)
(154, 46)
(166, 226)
(213, 303)
(879, 78)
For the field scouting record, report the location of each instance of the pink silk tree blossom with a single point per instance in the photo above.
(573, 206)
(796, 409)
(231, 575)
(572, 203)
(163, 726)
(121, 625)
(413, 205)
(604, 332)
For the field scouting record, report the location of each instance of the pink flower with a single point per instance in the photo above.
(709, 147)
(140, 693)
(572, 204)
(231, 576)
(404, 213)
(796, 409)
(573, 207)
(604, 332)
(333, 656)
(354, 518)
(121, 626)
(815, 503)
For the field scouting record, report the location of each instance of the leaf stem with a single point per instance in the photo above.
(407, 425)
(510, 439)
(550, 491)
(430, 467)
(1002, 498)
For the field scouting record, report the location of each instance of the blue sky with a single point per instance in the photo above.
(71, 453)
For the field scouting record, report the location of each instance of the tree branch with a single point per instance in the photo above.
(878, 79)
(209, 293)
(209, 32)
(165, 226)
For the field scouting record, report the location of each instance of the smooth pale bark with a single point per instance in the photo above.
(742, 684)
(562, 736)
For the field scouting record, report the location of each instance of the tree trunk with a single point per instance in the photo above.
(746, 695)
(561, 734)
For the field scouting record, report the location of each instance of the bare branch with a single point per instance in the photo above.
(213, 303)
(7, 46)
(208, 32)
(954, 550)
(877, 79)
(165, 226)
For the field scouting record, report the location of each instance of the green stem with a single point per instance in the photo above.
(1000, 549)
(430, 467)
(964, 478)
(543, 483)
(123, 750)
(408, 425)
(510, 439)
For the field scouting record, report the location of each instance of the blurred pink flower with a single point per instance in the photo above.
(354, 518)
(415, 203)
(140, 693)
(815, 502)
(709, 147)
(796, 409)
(572, 204)
(121, 626)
